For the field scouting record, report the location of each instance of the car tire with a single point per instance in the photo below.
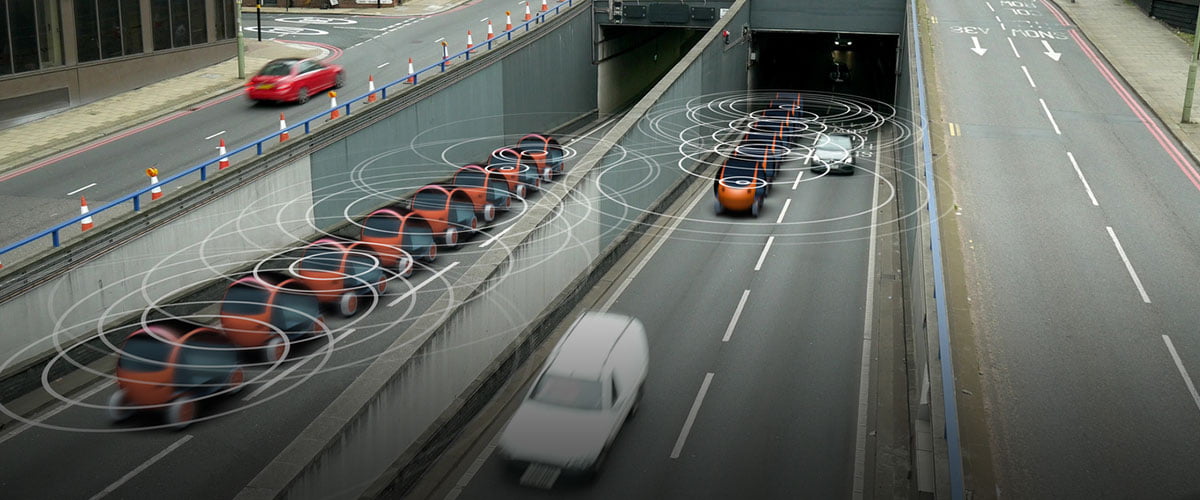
(302, 95)
(180, 413)
(548, 175)
(474, 224)
(431, 255)
(521, 191)
(117, 410)
(275, 349)
(382, 285)
(756, 207)
(237, 381)
(594, 471)
(339, 80)
(717, 208)
(489, 212)
(451, 237)
(348, 304)
(404, 268)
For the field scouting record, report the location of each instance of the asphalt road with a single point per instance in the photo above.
(377, 46)
(778, 417)
(1078, 231)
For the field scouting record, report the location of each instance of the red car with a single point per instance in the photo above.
(256, 311)
(488, 190)
(287, 80)
(522, 178)
(542, 152)
(339, 274)
(171, 367)
(397, 236)
(449, 212)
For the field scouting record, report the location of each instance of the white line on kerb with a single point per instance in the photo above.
(737, 313)
(145, 465)
(691, 418)
(1128, 265)
(787, 203)
(662, 238)
(1027, 77)
(1014, 47)
(80, 189)
(421, 285)
(1081, 179)
(860, 437)
(796, 184)
(214, 135)
(1050, 116)
(1182, 371)
(763, 255)
(382, 65)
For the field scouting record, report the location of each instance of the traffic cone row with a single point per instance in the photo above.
(544, 6)
(371, 88)
(224, 162)
(86, 223)
(528, 15)
(507, 20)
(283, 135)
(490, 34)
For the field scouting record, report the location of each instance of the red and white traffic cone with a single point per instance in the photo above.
(544, 6)
(156, 191)
(445, 53)
(411, 79)
(333, 115)
(283, 135)
(371, 88)
(86, 223)
(224, 162)
(528, 16)
(507, 20)
(490, 34)
(470, 42)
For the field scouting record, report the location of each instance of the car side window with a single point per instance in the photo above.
(309, 66)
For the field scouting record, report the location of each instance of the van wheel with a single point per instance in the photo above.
(117, 411)
(431, 255)
(348, 304)
(521, 191)
(181, 413)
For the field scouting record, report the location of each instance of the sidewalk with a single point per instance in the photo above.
(30, 142)
(1147, 54)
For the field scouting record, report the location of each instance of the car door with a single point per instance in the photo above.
(309, 77)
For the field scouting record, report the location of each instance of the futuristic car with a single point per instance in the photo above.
(291, 79)
(832, 153)
(591, 383)
(488, 190)
(260, 311)
(542, 152)
(523, 178)
(762, 141)
(449, 211)
(168, 367)
(340, 274)
(397, 236)
(741, 185)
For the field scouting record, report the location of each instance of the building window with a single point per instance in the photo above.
(22, 31)
(107, 28)
(50, 41)
(160, 17)
(5, 46)
(179, 23)
(224, 21)
(198, 20)
(131, 20)
(109, 17)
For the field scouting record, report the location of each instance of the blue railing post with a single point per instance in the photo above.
(54, 237)
(306, 122)
(383, 93)
(259, 145)
(415, 79)
(204, 173)
(443, 65)
(137, 203)
(489, 44)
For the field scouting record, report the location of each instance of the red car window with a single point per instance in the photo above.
(140, 350)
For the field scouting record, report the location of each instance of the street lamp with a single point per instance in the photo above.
(241, 44)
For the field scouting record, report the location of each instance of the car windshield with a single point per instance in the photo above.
(204, 363)
(140, 350)
(835, 143)
(381, 226)
(569, 392)
(531, 144)
(361, 269)
(244, 299)
(469, 178)
(416, 236)
(293, 312)
(277, 68)
(430, 199)
(738, 167)
(321, 258)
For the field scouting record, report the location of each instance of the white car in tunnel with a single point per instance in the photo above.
(590, 384)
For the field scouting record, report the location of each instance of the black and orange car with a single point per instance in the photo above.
(523, 179)
(292, 79)
(259, 311)
(543, 152)
(397, 236)
(763, 142)
(449, 211)
(488, 190)
(169, 367)
(340, 275)
(741, 185)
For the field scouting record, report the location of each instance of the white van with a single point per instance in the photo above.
(590, 384)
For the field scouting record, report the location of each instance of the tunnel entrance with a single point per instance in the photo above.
(857, 64)
(631, 59)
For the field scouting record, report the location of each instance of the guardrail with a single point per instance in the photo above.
(411, 80)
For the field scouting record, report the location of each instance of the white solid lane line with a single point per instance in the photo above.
(763, 255)
(1027, 77)
(140, 468)
(796, 184)
(382, 65)
(284, 374)
(1050, 116)
(1014, 47)
(214, 135)
(422, 284)
(691, 418)
(860, 436)
(1128, 265)
(1182, 371)
(737, 313)
(492, 239)
(662, 238)
(58, 409)
(1086, 187)
(787, 203)
(77, 191)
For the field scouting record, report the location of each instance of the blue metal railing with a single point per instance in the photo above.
(203, 168)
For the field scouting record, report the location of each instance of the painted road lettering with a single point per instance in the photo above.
(969, 30)
(1039, 34)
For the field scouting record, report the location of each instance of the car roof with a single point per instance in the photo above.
(588, 344)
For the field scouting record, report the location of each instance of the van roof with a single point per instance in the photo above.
(588, 345)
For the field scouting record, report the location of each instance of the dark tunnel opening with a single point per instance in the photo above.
(846, 63)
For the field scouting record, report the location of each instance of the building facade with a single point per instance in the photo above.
(61, 53)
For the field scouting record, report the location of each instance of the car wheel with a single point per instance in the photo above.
(237, 381)
(275, 349)
(405, 267)
(181, 413)
(489, 212)
(348, 304)
(717, 208)
(382, 285)
(755, 207)
(117, 410)
(507, 203)
(302, 95)
(637, 403)
(339, 80)
(521, 191)
(451, 237)
(431, 255)
(474, 224)
(598, 465)
(547, 175)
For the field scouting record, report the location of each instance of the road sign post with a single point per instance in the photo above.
(241, 44)
(258, 18)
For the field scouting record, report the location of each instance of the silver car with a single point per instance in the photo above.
(832, 153)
